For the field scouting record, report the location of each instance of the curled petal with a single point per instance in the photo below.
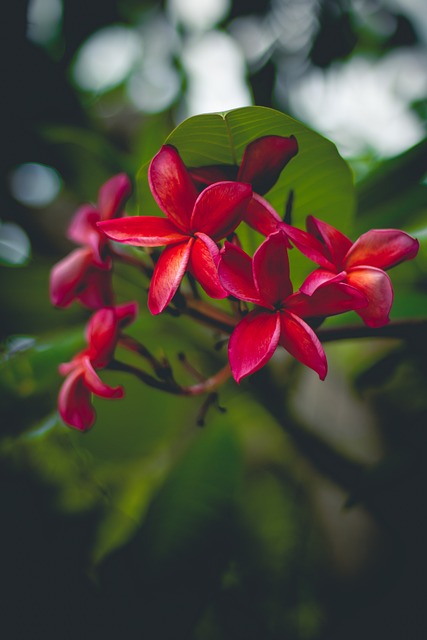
(264, 159)
(203, 265)
(67, 275)
(74, 402)
(96, 289)
(261, 216)
(335, 242)
(382, 248)
(375, 284)
(95, 384)
(167, 275)
(113, 196)
(235, 274)
(142, 231)
(318, 278)
(172, 187)
(328, 299)
(253, 342)
(302, 343)
(271, 270)
(220, 207)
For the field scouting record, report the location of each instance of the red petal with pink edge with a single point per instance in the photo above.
(335, 242)
(74, 402)
(142, 231)
(376, 286)
(329, 299)
(264, 159)
(253, 342)
(203, 265)
(171, 186)
(220, 207)
(235, 274)
(261, 216)
(302, 343)
(382, 248)
(113, 196)
(271, 270)
(318, 278)
(95, 384)
(167, 275)
(66, 276)
(310, 246)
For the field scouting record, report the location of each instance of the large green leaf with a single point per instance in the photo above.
(320, 179)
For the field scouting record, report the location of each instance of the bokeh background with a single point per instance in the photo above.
(299, 513)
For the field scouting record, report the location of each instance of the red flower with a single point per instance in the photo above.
(102, 334)
(278, 318)
(85, 273)
(360, 264)
(190, 232)
(263, 161)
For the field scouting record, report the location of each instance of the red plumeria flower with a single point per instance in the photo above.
(263, 161)
(194, 225)
(360, 264)
(85, 273)
(102, 334)
(278, 317)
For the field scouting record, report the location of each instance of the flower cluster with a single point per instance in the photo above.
(203, 208)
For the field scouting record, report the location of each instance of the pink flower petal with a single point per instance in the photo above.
(318, 278)
(335, 242)
(171, 186)
(375, 284)
(271, 270)
(66, 276)
(83, 224)
(126, 313)
(74, 402)
(203, 265)
(329, 299)
(101, 335)
(220, 207)
(264, 159)
(113, 195)
(142, 231)
(95, 384)
(235, 274)
(253, 342)
(302, 343)
(382, 248)
(95, 289)
(261, 216)
(168, 274)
